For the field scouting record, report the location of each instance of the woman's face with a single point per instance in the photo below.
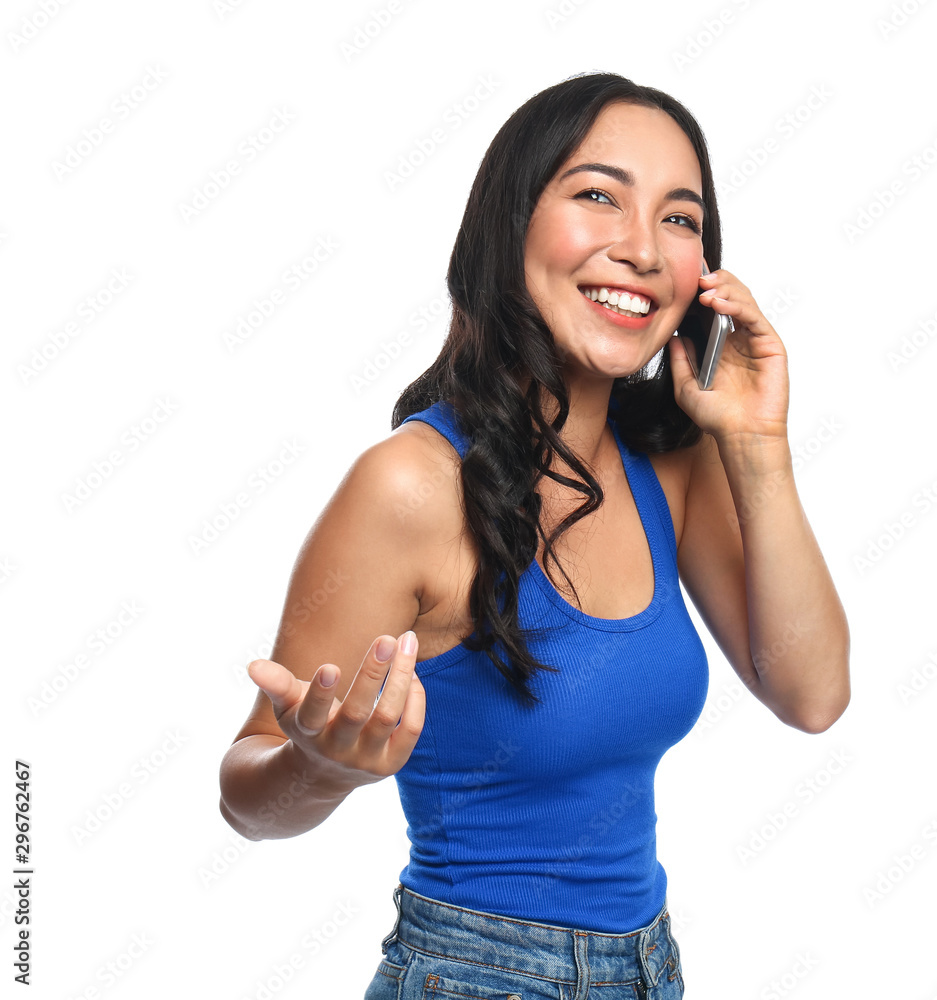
(623, 213)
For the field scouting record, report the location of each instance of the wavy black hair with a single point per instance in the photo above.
(498, 339)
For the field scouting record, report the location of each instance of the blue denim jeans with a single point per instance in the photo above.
(437, 951)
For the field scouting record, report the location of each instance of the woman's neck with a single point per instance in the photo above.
(586, 429)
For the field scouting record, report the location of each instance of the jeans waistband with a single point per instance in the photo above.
(536, 949)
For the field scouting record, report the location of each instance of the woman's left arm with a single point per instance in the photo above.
(747, 555)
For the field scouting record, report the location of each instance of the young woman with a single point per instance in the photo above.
(522, 706)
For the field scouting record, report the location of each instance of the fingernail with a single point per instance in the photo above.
(408, 643)
(384, 649)
(328, 675)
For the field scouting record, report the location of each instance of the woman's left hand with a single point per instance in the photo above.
(750, 392)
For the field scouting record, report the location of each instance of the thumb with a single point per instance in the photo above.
(277, 683)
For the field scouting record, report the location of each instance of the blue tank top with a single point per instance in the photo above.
(547, 813)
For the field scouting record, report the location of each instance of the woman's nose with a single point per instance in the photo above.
(637, 245)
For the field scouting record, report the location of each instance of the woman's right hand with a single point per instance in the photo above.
(355, 741)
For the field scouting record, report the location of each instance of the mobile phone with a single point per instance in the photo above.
(704, 333)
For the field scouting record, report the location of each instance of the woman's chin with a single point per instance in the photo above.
(614, 367)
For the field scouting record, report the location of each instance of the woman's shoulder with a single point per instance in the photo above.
(417, 472)
(428, 462)
(440, 423)
(398, 506)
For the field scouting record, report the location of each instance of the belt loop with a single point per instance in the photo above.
(385, 944)
(646, 943)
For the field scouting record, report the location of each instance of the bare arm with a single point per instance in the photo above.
(273, 786)
(307, 742)
(266, 793)
(752, 565)
(747, 555)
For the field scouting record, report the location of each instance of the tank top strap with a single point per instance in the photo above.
(649, 495)
(442, 415)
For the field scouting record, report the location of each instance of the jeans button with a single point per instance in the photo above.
(513, 996)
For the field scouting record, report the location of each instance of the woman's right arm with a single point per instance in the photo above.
(359, 577)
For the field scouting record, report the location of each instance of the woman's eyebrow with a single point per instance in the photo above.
(626, 177)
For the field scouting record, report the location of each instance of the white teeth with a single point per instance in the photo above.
(619, 301)
(623, 312)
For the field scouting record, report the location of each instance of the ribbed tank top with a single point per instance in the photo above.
(547, 813)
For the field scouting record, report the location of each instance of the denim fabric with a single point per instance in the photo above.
(437, 951)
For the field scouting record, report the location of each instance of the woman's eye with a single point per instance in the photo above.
(597, 194)
(687, 221)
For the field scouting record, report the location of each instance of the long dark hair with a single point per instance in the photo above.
(497, 338)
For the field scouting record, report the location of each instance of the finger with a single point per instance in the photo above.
(404, 738)
(730, 301)
(724, 276)
(680, 368)
(723, 286)
(359, 701)
(717, 285)
(741, 308)
(313, 711)
(277, 682)
(721, 303)
(390, 705)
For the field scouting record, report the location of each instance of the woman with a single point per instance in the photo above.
(524, 715)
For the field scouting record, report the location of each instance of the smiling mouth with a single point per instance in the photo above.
(621, 302)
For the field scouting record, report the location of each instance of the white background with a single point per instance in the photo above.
(835, 899)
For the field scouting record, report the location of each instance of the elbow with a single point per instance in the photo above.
(235, 824)
(819, 720)
(817, 724)
(817, 710)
